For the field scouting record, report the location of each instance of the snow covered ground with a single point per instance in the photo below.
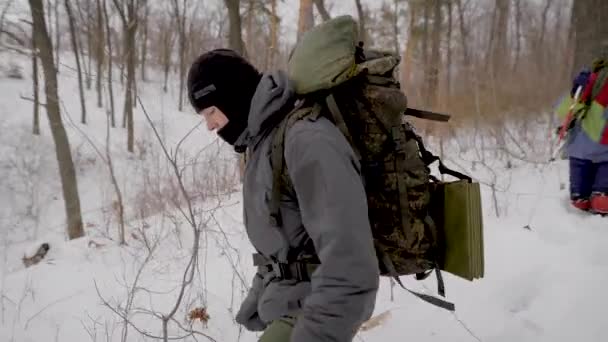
(546, 265)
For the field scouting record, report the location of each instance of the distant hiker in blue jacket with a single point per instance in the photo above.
(586, 128)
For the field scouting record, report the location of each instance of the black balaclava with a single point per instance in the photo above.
(224, 79)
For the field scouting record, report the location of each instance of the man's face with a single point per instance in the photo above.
(215, 119)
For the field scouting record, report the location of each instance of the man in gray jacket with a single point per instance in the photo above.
(318, 274)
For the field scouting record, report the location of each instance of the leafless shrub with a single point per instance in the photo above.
(197, 220)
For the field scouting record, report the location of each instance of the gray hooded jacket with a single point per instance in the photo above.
(329, 210)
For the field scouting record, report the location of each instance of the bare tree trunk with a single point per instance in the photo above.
(167, 48)
(235, 36)
(463, 34)
(361, 15)
(123, 61)
(448, 92)
(80, 42)
(320, 4)
(540, 50)
(62, 145)
(499, 50)
(68, 9)
(85, 20)
(49, 20)
(36, 126)
(395, 26)
(144, 43)
(180, 18)
(517, 34)
(166, 42)
(435, 55)
(490, 50)
(110, 63)
(131, 30)
(89, 24)
(306, 19)
(411, 44)
(249, 25)
(57, 34)
(425, 55)
(274, 36)
(99, 43)
(129, 21)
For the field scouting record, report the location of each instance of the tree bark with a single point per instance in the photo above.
(68, 9)
(57, 34)
(412, 43)
(130, 30)
(85, 20)
(306, 19)
(425, 54)
(395, 26)
(449, 57)
(540, 49)
(463, 34)
(235, 40)
(274, 36)
(144, 43)
(361, 15)
(110, 63)
(518, 16)
(180, 18)
(81, 45)
(62, 145)
(99, 43)
(129, 24)
(89, 45)
(49, 20)
(433, 87)
(249, 36)
(500, 48)
(36, 123)
(166, 49)
(320, 4)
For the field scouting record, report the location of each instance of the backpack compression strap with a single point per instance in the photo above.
(427, 298)
(430, 158)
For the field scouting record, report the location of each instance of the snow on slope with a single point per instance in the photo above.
(542, 284)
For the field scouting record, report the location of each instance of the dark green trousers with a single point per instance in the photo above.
(279, 330)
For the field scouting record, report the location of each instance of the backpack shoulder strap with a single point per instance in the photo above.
(280, 179)
(600, 81)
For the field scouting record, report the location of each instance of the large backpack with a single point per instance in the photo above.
(395, 163)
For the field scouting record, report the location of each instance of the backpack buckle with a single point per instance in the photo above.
(301, 271)
(281, 270)
(294, 271)
(397, 138)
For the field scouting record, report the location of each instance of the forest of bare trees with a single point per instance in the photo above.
(482, 61)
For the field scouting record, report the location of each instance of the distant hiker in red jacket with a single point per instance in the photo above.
(587, 137)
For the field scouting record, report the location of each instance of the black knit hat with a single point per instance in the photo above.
(224, 79)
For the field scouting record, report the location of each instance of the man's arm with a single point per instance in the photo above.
(333, 206)
(248, 312)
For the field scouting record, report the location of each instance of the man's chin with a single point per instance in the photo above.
(229, 134)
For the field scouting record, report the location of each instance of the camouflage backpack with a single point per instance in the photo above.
(328, 61)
